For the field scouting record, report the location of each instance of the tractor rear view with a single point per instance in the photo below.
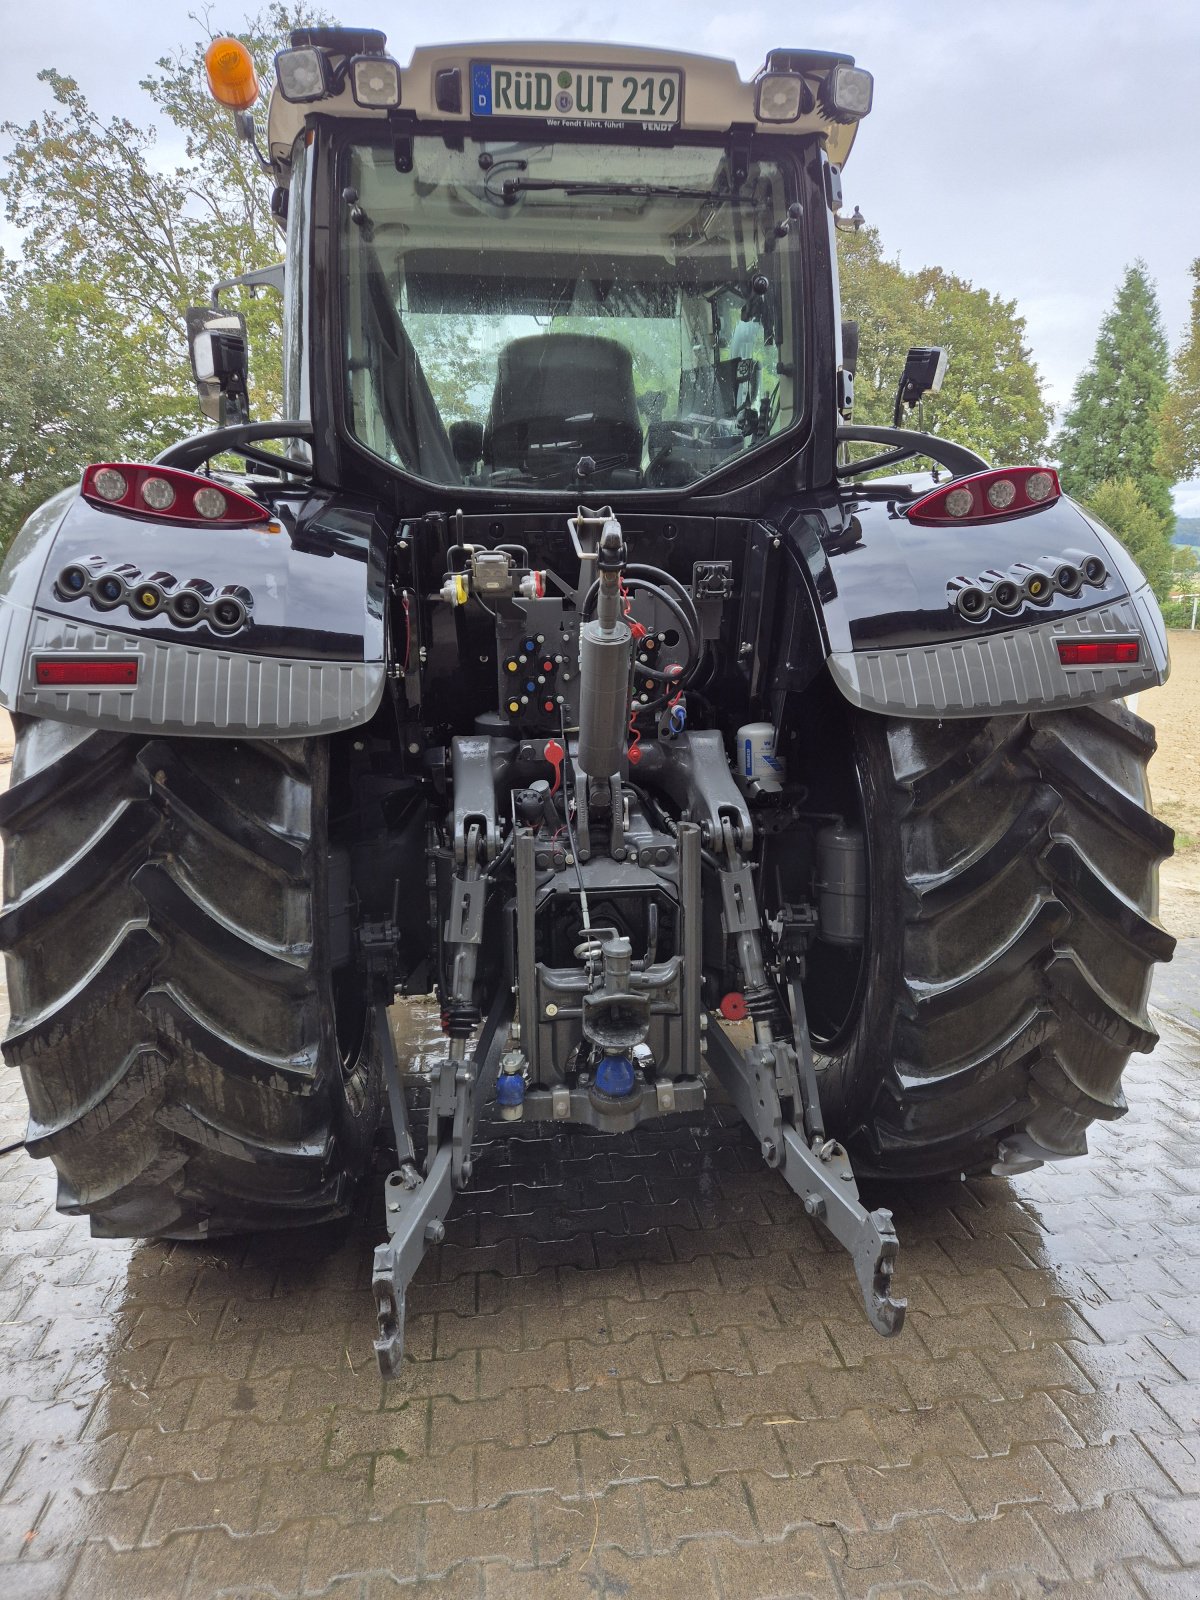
(561, 651)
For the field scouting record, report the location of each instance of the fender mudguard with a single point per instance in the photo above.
(309, 657)
(885, 590)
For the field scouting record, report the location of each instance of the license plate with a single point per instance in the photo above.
(591, 96)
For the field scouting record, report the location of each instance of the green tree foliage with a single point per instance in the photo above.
(56, 382)
(992, 395)
(123, 242)
(1111, 430)
(1179, 455)
(1183, 560)
(1119, 505)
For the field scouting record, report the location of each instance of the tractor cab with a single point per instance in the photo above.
(516, 270)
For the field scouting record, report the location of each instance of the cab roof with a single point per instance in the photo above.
(715, 97)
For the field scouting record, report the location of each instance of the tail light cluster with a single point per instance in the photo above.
(985, 496)
(166, 492)
(1026, 583)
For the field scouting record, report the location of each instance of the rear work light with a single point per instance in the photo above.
(987, 496)
(167, 494)
(781, 97)
(1098, 652)
(65, 673)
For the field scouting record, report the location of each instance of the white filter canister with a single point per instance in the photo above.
(757, 761)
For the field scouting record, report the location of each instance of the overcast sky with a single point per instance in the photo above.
(1035, 147)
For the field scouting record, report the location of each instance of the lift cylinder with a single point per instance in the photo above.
(605, 660)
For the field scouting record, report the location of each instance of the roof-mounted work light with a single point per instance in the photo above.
(303, 75)
(847, 93)
(781, 97)
(375, 82)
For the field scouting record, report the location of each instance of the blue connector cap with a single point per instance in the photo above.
(615, 1077)
(510, 1089)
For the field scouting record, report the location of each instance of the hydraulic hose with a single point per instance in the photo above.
(690, 632)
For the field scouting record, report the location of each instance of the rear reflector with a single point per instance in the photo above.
(88, 674)
(1098, 652)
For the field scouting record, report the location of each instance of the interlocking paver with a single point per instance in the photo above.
(623, 1381)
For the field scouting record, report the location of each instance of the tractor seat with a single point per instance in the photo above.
(561, 396)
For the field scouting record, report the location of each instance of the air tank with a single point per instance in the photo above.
(841, 884)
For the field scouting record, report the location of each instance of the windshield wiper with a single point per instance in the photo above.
(512, 187)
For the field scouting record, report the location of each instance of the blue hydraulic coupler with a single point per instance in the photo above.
(615, 1077)
(510, 1095)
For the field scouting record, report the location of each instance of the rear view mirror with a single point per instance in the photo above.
(220, 363)
(923, 372)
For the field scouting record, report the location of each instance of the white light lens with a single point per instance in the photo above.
(110, 484)
(1039, 486)
(375, 81)
(1001, 494)
(300, 74)
(959, 502)
(158, 494)
(209, 502)
(780, 98)
(850, 91)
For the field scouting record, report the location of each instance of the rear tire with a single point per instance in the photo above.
(1012, 929)
(173, 1017)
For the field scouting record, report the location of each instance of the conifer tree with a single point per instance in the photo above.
(1111, 430)
(1180, 421)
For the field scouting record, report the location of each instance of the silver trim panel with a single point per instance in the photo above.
(192, 689)
(1017, 670)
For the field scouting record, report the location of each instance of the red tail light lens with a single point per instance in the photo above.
(1098, 652)
(168, 493)
(68, 674)
(984, 496)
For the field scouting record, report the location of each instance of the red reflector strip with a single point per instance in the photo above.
(1098, 652)
(70, 674)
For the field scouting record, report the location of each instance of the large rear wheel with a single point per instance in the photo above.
(193, 1063)
(1011, 932)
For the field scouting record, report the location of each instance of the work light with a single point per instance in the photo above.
(779, 97)
(302, 75)
(847, 93)
(375, 81)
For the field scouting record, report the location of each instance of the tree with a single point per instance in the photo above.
(1179, 456)
(991, 399)
(1118, 503)
(133, 242)
(57, 382)
(1111, 430)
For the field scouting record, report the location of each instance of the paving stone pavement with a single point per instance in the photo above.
(635, 1369)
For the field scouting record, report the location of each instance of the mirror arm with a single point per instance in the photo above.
(957, 457)
(261, 278)
(194, 452)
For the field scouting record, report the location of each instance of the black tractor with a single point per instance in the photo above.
(563, 651)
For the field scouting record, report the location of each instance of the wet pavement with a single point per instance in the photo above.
(636, 1369)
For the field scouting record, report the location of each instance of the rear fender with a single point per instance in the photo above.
(884, 591)
(308, 657)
